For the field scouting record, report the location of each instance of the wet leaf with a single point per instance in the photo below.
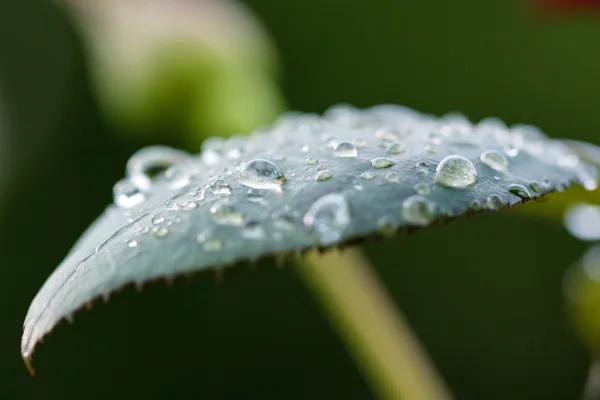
(306, 182)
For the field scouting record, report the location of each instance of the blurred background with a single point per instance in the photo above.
(484, 293)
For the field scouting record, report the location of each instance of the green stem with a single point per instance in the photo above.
(374, 331)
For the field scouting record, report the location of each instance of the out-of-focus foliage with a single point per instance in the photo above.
(192, 67)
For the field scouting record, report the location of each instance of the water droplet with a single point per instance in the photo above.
(381, 162)
(536, 187)
(367, 176)
(148, 163)
(387, 135)
(189, 205)
(198, 194)
(220, 187)
(304, 149)
(519, 190)
(253, 230)
(209, 243)
(582, 220)
(423, 167)
(423, 189)
(311, 161)
(493, 203)
(177, 177)
(345, 149)
(386, 227)
(226, 214)
(172, 205)
(329, 216)
(396, 148)
(494, 159)
(131, 243)
(322, 176)
(261, 174)
(126, 195)
(456, 172)
(475, 205)
(160, 232)
(418, 210)
(158, 219)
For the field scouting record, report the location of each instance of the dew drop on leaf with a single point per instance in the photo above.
(261, 174)
(381, 162)
(456, 172)
(494, 159)
(519, 190)
(345, 149)
(322, 176)
(329, 217)
(126, 195)
(226, 214)
(418, 210)
(220, 187)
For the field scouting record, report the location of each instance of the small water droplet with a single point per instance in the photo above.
(536, 187)
(345, 149)
(172, 205)
(456, 172)
(386, 227)
(160, 232)
(493, 203)
(226, 214)
(418, 210)
(261, 174)
(396, 148)
(367, 176)
(177, 177)
(519, 190)
(209, 243)
(253, 230)
(423, 167)
(321, 167)
(422, 189)
(475, 205)
(131, 243)
(329, 216)
(126, 195)
(311, 161)
(220, 187)
(381, 162)
(189, 205)
(198, 194)
(158, 219)
(322, 176)
(494, 159)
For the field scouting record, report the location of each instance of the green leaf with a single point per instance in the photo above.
(306, 182)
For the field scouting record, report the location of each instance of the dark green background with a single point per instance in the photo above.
(484, 293)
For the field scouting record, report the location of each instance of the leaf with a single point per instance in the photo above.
(307, 182)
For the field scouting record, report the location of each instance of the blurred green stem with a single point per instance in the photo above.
(374, 331)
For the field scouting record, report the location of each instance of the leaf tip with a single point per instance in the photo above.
(27, 361)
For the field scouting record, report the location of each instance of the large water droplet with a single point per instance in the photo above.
(418, 210)
(226, 214)
(148, 163)
(381, 162)
(329, 216)
(494, 159)
(261, 174)
(456, 172)
(126, 195)
(396, 148)
(220, 187)
(582, 220)
(345, 149)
